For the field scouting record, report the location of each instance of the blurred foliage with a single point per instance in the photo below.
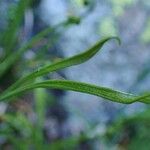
(145, 37)
(82, 3)
(130, 132)
(141, 77)
(108, 27)
(120, 5)
(17, 129)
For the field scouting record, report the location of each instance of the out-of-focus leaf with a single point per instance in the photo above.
(9, 38)
(145, 37)
(107, 27)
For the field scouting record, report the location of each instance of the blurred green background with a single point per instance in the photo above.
(60, 120)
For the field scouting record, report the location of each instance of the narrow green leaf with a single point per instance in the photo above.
(26, 83)
(71, 61)
(107, 93)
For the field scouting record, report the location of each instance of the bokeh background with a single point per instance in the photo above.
(55, 119)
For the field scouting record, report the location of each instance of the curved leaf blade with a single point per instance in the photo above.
(71, 61)
(103, 92)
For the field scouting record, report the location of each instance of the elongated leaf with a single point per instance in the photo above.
(103, 92)
(24, 85)
(71, 61)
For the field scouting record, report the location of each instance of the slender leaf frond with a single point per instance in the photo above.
(107, 93)
(71, 61)
(27, 83)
